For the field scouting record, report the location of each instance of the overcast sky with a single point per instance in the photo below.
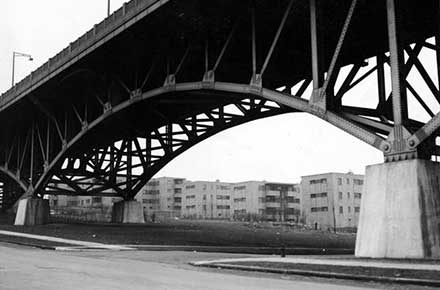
(277, 149)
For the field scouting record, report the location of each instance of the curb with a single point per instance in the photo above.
(422, 282)
(245, 250)
(43, 247)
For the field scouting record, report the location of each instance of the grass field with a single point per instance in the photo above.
(195, 233)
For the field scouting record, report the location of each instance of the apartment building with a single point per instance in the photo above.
(161, 198)
(248, 200)
(82, 208)
(262, 200)
(206, 200)
(283, 202)
(332, 200)
(251, 200)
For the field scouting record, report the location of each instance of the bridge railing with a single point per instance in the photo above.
(99, 31)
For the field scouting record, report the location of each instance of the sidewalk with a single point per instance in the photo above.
(73, 244)
(335, 261)
(419, 272)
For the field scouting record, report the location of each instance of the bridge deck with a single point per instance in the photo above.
(143, 22)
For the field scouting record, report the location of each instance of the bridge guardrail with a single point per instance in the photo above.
(92, 36)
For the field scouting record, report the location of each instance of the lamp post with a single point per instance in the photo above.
(108, 7)
(18, 54)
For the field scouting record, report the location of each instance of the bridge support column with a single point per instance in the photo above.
(32, 211)
(128, 212)
(400, 211)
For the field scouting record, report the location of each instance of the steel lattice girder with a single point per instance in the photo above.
(206, 55)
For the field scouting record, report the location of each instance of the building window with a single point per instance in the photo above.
(349, 209)
(271, 210)
(222, 197)
(316, 195)
(339, 181)
(223, 207)
(340, 195)
(190, 196)
(292, 211)
(357, 209)
(177, 190)
(358, 195)
(72, 203)
(204, 187)
(319, 209)
(341, 210)
(151, 192)
(318, 181)
(190, 186)
(240, 187)
(292, 199)
(358, 181)
(242, 199)
(96, 199)
(178, 181)
(204, 197)
(153, 183)
(348, 181)
(272, 199)
(239, 212)
(348, 195)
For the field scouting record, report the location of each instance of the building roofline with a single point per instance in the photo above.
(328, 173)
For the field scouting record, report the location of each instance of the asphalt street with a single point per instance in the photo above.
(31, 268)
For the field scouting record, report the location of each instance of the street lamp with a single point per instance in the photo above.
(18, 54)
(108, 7)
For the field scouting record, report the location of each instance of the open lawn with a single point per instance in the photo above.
(192, 233)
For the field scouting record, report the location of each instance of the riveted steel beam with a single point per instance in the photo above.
(400, 110)
(317, 54)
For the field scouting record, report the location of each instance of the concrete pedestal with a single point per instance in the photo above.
(128, 212)
(400, 211)
(32, 211)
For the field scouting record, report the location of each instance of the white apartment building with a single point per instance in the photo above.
(332, 200)
(206, 200)
(161, 198)
(266, 201)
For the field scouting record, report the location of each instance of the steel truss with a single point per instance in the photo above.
(70, 149)
(124, 167)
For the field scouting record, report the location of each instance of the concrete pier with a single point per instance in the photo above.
(128, 212)
(32, 211)
(400, 211)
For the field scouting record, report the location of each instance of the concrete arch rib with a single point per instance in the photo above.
(287, 100)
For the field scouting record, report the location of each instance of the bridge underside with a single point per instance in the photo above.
(170, 74)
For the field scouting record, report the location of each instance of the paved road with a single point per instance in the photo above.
(28, 268)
